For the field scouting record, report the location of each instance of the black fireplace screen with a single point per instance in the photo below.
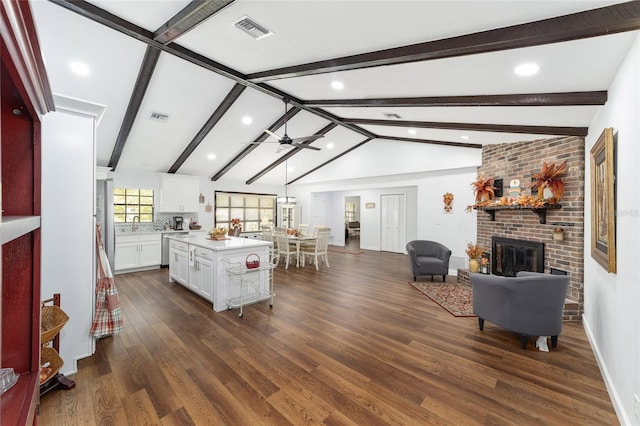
(510, 256)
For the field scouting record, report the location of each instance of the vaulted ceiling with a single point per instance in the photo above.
(188, 92)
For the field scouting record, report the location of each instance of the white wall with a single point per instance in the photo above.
(425, 212)
(612, 314)
(68, 243)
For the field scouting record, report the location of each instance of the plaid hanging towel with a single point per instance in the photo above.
(108, 317)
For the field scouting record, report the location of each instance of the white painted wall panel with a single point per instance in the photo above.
(68, 243)
(611, 315)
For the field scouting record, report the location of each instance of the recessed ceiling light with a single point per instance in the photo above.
(330, 145)
(80, 68)
(211, 157)
(337, 85)
(412, 131)
(246, 120)
(527, 69)
(465, 137)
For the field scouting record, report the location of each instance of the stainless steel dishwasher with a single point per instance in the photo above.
(165, 245)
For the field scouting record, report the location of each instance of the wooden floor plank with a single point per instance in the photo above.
(345, 345)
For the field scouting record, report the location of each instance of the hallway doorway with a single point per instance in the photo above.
(352, 222)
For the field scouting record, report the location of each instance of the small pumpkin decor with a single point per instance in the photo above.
(549, 178)
(483, 189)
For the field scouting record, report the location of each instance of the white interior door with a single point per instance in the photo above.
(392, 223)
(319, 210)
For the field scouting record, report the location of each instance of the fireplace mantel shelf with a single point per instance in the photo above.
(540, 211)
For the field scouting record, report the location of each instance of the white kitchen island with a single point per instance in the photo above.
(215, 269)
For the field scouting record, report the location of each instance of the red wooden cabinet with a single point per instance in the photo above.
(25, 96)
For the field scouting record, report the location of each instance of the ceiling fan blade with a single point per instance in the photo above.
(269, 132)
(307, 138)
(258, 143)
(298, 145)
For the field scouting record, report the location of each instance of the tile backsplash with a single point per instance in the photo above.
(160, 220)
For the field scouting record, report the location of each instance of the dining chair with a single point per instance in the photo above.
(303, 228)
(319, 251)
(285, 249)
(316, 228)
(267, 235)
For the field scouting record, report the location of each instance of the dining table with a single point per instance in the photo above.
(298, 240)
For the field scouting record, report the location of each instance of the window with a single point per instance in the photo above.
(129, 203)
(251, 209)
(349, 212)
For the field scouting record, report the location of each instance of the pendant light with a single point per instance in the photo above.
(286, 199)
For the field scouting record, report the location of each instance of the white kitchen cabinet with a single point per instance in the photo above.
(138, 252)
(289, 215)
(201, 272)
(208, 275)
(179, 263)
(126, 255)
(150, 253)
(179, 194)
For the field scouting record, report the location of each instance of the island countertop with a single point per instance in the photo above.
(230, 243)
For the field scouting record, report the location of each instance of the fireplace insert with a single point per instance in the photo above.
(510, 256)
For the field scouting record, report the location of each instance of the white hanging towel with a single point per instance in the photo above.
(192, 255)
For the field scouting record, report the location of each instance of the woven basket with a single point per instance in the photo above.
(55, 362)
(252, 261)
(53, 319)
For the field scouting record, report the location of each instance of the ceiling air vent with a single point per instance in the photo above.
(251, 27)
(157, 116)
(391, 115)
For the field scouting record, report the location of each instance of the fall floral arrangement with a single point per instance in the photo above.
(483, 189)
(235, 222)
(474, 251)
(217, 233)
(294, 232)
(549, 177)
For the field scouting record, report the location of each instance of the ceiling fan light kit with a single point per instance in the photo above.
(285, 142)
(286, 200)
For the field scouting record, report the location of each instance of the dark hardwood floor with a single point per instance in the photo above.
(353, 344)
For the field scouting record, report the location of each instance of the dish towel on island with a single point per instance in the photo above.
(192, 256)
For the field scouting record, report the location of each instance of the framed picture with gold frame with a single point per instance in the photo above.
(603, 201)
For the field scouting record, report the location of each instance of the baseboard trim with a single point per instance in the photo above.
(613, 394)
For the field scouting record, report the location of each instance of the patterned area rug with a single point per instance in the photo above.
(456, 298)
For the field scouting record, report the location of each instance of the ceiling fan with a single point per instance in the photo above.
(285, 142)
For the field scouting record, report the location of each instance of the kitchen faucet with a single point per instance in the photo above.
(134, 228)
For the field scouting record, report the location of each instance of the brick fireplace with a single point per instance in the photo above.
(519, 161)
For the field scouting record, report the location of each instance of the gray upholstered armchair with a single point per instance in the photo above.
(428, 258)
(530, 304)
